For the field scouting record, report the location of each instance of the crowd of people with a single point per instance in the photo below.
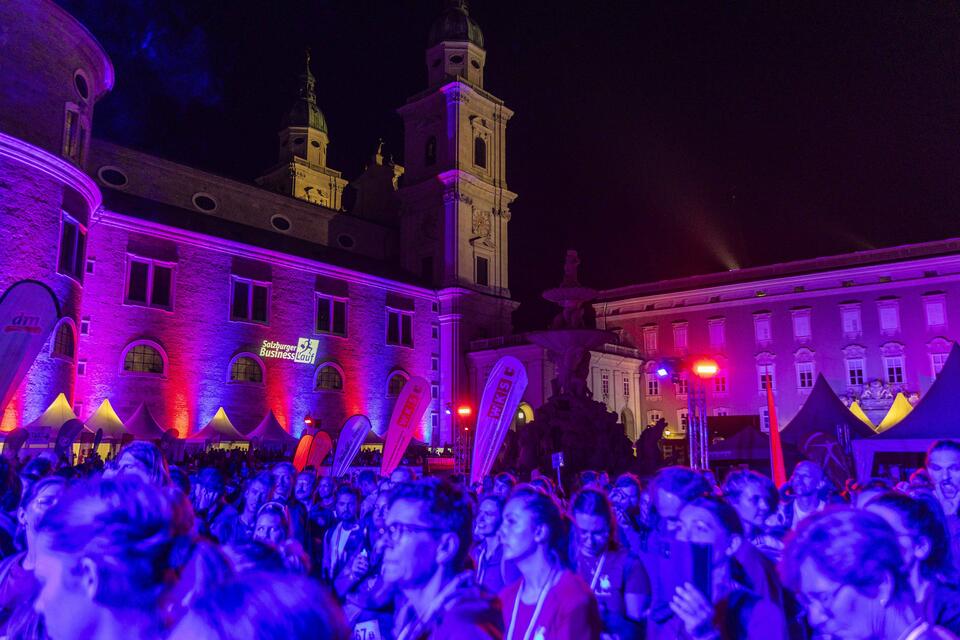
(231, 546)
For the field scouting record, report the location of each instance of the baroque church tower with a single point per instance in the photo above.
(302, 171)
(455, 202)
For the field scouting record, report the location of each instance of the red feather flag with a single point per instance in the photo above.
(777, 467)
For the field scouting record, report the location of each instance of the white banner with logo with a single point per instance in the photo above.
(352, 435)
(498, 406)
(28, 313)
(407, 414)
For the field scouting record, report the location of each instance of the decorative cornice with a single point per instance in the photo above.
(53, 166)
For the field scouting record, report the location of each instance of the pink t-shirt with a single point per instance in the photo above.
(569, 612)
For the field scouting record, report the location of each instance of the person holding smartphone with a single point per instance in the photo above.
(720, 606)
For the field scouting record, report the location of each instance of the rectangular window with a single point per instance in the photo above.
(250, 301)
(149, 283)
(434, 419)
(434, 391)
(855, 374)
(720, 383)
(653, 385)
(764, 413)
(605, 384)
(894, 369)
(937, 360)
(765, 374)
(721, 411)
(889, 317)
(654, 416)
(435, 363)
(682, 386)
(331, 315)
(73, 242)
(91, 265)
(650, 339)
(81, 367)
(85, 326)
(718, 333)
(78, 409)
(683, 420)
(936, 312)
(761, 329)
(804, 375)
(801, 325)
(72, 134)
(483, 271)
(400, 328)
(626, 387)
(680, 337)
(435, 332)
(850, 318)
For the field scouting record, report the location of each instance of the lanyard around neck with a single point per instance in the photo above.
(596, 573)
(544, 591)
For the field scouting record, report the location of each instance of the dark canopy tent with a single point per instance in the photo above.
(270, 433)
(937, 417)
(823, 430)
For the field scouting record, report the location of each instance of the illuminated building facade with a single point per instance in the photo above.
(304, 294)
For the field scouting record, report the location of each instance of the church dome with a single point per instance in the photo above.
(456, 25)
(305, 112)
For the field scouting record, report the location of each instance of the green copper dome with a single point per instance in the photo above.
(305, 112)
(455, 25)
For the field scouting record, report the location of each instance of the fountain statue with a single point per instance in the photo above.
(571, 418)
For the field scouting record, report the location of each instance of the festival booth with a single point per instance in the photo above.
(43, 430)
(219, 434)
(823, 430)
(115, 434)
(270, 435)
(936, 417)
(143, 426)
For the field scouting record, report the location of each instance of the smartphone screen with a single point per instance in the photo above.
(703, 569)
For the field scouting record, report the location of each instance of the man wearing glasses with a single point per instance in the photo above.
(428, 534)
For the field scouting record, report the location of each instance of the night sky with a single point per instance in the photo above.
(660, 139)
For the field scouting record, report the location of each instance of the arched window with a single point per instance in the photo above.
(329, 378)
(395, 383)
(144, 357)
(246, 368)
(64, 340)
(480, 152)
(430, 152)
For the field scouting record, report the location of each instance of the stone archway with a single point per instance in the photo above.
(524, 416)
(629, 424)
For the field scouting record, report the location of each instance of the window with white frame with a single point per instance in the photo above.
(329, 378)
(331, 315)
(855, 371)
(149, 283)
(249, 300)
(653, 385)
(718, 333)
(73, 244)
(765, 375)
(650, 339)
(399, 328)
(626, 386)
(144, 358)
(680, 336)
(81, 369)
(654, 416)
(889, 311)
(246, 368)
(761, 328)
(605, 384)
(804, 375)
(801, 325)
(435, 363)
(683, 420)
(682, 385)
(720, 383)
(721, 411)
(764, 413)
(893, 367)
(850, 320)
(85, 326)
(937, 360)
(935, 310)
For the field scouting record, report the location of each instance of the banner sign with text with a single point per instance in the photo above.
(304, 352)
(28, 313)
(352, 435)
(407, 414)
(498, 407)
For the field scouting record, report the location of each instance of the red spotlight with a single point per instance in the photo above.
(464, 411)
(308, 421)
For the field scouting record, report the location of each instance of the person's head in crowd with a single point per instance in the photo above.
(428, 536)
(459, 481)
(378, 515)
(625, 496)
(544, 484)
(594, 522)
(254, 555)
(347, 506)
(256, 493)
(103, 554)
(284, 474)
(39, 467)
(325, 487)
(921, 533)
(847, 570)
(863, 492)
(202, 569)
(303, 489)
(489, 517)
(486, 484)
(11, 488)
(144, 459)
(273, 524)
(208, 490)
(670, 490)
(920, 481)
(588, 479)
(807, 479)
(180, 479)
(367, 481)
(39, 497)
(401, 474)
(943, 467)
(503, 484)
(266, 606)
(753, 495)
(710, 520)
(534, 526)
